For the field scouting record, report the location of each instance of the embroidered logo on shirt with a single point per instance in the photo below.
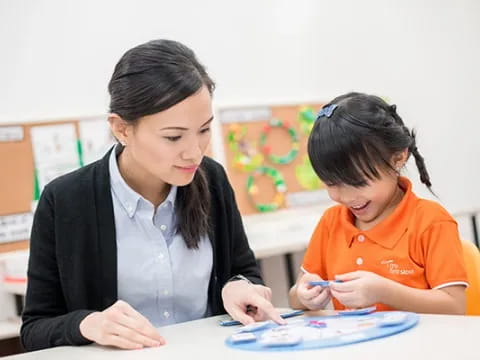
(395, 269)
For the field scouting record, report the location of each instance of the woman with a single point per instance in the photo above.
(149, 235)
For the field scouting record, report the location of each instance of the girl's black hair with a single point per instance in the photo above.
(357, 138)
(153, 77)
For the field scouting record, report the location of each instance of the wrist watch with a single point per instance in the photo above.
(238, 277)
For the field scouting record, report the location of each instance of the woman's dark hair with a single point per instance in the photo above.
(153, 77)
(356, 136)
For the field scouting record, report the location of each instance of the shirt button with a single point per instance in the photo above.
(165, 292)
(361, 238)
(161, 256)
(166, 314)
(163, 227)
(129, 208)
(359, 261)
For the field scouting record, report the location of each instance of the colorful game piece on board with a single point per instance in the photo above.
(317, 324)
(392, 319)
(280, 339)
(242, 338)
(362, 311)
(254, 327)
(290, 314)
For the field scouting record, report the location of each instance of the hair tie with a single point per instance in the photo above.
(327, 111)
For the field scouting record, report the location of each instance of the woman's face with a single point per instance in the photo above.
(170, 144)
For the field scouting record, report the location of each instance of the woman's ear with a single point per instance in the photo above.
(119, 128)
(399, 159)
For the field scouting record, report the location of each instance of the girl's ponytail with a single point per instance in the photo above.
(419, 160)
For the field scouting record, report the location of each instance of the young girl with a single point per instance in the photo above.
(384, 245)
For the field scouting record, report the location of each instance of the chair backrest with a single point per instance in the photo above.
(472, 264)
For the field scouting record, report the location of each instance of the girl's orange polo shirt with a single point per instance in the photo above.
(418, 245)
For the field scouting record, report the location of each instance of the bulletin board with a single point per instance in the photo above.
(266, 156)
(18, 186)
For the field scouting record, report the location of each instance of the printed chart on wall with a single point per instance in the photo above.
(95, 139)
(266, 156)
(59, 149)
(55, 152)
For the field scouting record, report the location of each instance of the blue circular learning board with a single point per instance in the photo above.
(328, 331)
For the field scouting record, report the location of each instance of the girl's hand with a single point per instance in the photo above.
(248, 303)
(120, 326)
(312, 297)
(359, 289)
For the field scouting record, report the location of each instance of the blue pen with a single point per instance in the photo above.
(323, 283)
(283, 316)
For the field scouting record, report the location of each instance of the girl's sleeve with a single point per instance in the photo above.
(443, 255)
(313, 260)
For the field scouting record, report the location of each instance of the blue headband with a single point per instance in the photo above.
(327, 111)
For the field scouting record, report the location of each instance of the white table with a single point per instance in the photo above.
(9, 328)
(436, 337)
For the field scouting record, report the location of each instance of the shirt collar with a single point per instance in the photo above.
(128, 197)
(390, 230)
(171, 197)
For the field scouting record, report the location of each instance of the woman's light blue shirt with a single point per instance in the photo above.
(157, 274)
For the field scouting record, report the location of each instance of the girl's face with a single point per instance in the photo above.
(373, 202)
(169, 145)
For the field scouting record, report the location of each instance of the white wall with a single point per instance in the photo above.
(56, 58)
